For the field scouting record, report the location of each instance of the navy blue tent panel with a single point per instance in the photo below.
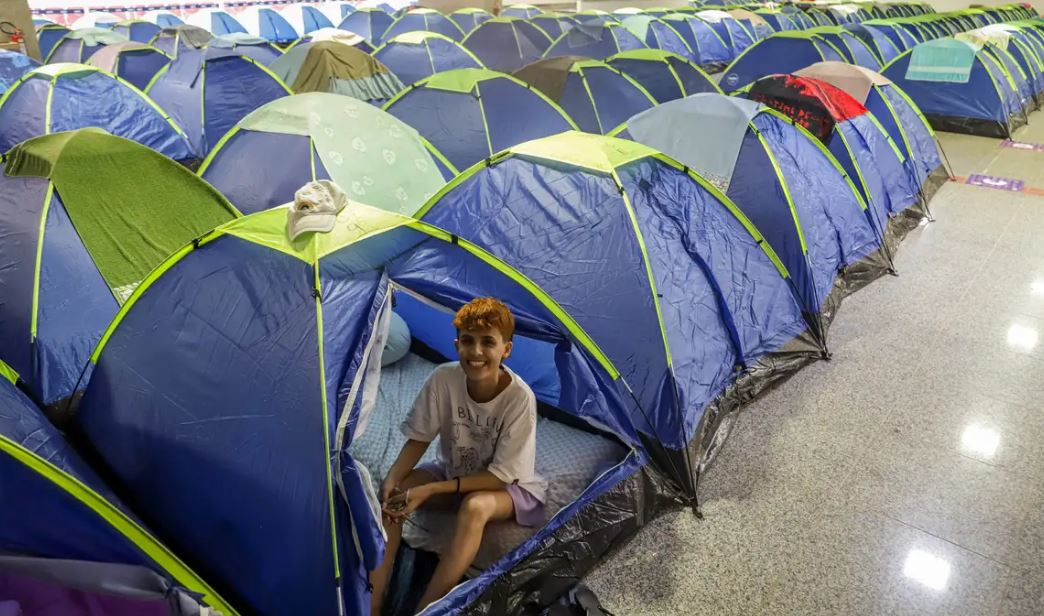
(777, 54)
(665, 76)
(206, 103)
(507, 44)
(413, 57)
(48, 36)
(595, 41)
(66, 332)
(140, 31)
(494, 113)
(468, 20)
(139, 67)
(367, 23)
(422, 20)
(553, 26)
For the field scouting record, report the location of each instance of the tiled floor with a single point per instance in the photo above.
(905, 476)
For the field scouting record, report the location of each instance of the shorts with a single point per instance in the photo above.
(528, 510)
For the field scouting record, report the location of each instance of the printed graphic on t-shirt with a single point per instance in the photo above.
(477, 433)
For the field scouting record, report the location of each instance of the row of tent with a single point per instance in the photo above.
(176, 334)
(186, 355)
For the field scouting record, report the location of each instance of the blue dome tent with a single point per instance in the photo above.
(507, 43)
(594, 17)
(207, 91)
(470, 18)
(595, 41)
(67, 542)
(658, 34)
(554, 25)
(91, 225)
(305, 18)
(138, 30)
(163, 18)
(783, 52)
(78, 45)
(666, 76)
(269, 24)
(729, 29)
(369, 23)
(12, 66)
(854, 49)
(783, 180)
(853, 135)
(653, 282)
(596, 96)
(262, 315)
(899, 37)
(899, 117)
(471, 114)
(415, 55)
(883, 48)
(175, 39)
(422, 20)
(136, 63)
(708, 50)
(974, 96)
(254, 47)
(48, 35)
(283, 145)
(524, 11)
(215, 21)
(62, 97)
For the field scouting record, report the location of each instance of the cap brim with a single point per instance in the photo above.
(312, 223)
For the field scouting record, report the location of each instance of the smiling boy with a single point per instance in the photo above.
(486, 418)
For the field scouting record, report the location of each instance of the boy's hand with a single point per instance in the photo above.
(403, 504)
(389, 485)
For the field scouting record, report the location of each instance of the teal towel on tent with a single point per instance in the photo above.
(944, 60)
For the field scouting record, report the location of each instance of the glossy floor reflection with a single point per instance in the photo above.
(905, 476)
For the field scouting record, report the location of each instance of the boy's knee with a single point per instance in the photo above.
(477, 507)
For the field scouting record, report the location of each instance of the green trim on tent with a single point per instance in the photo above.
(470, 10)
(786, 191)
(268, 228)
(822, 148)
(179, 571)
(653, 292)
(35, 306)
(331, 506)
(8, 373)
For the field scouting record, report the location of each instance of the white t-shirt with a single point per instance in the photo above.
(498, 436)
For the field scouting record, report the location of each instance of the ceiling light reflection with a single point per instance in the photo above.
(980, 441)
(927, 569)
(1022, 337)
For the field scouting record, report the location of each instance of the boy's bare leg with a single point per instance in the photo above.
(379, 576)
(476, 510)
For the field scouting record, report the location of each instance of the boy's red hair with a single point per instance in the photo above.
(486, 313)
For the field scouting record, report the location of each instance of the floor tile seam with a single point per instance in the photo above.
(965, 548)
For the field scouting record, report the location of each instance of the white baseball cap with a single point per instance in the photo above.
(315, 208)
